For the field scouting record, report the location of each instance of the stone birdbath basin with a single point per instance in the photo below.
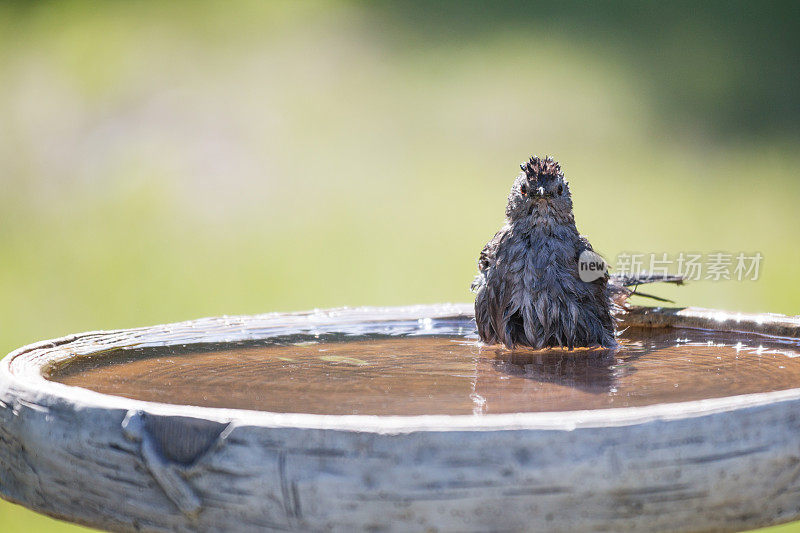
(395, 419)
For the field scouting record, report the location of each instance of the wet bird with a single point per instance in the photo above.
(529, 289)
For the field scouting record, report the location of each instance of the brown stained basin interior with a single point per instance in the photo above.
(417, 375)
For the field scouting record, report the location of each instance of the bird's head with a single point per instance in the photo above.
(540, 187)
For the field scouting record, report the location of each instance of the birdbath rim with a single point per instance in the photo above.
(22, 371)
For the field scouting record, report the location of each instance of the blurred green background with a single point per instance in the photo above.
(166, 161)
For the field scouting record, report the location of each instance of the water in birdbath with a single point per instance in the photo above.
(426, 374)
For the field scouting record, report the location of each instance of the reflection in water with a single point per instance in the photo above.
(442, 374)
(594, 372)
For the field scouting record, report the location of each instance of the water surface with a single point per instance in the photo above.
(415, 375)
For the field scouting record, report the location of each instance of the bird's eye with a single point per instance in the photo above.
(560, 190)
(523, 189)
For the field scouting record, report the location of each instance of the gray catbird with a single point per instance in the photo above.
(529, 289)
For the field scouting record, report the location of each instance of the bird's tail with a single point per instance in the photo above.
(642, 278)
(623, 281)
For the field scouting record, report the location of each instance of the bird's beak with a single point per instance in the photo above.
(539, 192)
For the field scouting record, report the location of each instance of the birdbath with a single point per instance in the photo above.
(396, 419)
